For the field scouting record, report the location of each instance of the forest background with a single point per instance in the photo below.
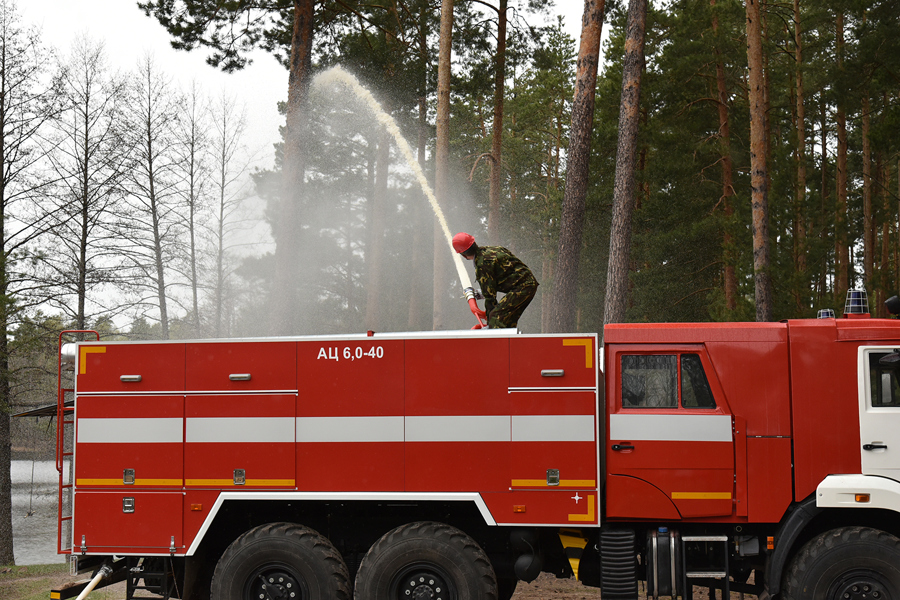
(123, 198)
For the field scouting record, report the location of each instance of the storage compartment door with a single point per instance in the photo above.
(240, 441)
(128, 522)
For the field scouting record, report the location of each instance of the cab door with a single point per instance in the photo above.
(879, 411)
(670, 448)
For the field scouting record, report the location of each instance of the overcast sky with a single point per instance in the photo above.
(128, 35)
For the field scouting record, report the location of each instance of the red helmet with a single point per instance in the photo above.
(462, 241)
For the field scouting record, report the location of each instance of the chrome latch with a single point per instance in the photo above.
(127, 505)
(172, 545)
(130, 378)
(240, 477)
(552, 372)
(83, 545)
(552, 476)
(239, 377)
(128, 477)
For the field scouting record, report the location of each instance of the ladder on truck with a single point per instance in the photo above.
(65, 440)
(708, 573)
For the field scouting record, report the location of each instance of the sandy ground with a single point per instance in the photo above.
(35, 582)
(32, 582)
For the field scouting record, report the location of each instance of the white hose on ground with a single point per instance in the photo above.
(104, 572)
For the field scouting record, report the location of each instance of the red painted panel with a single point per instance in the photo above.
(769, 478)
(155, 464)
(350, 466)
(575, 356)
(553, 403)
(631, 498)
(210, 459)
(555, 507)
(240, 405)
(157, 517)
(197, 505)
(266, 465)
(457, 466)
(698, 477)
(575, 460)
(101, 366)
(825, 404)
(457, 376)
(271, 365)
(368, 383)
(755, 377)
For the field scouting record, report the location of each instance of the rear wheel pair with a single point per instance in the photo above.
(285, 561)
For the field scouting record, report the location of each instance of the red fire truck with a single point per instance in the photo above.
(753, 457)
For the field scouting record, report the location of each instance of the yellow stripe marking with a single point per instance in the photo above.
(54, 595)
(573, 539)
(588, 350)
(589, 515)
(137, 482)
(249, 483)
(589, 483)
(85, 350)
(701, 495)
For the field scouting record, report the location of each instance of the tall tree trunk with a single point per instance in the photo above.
(287, 230)
(841, 248)
(415, 317)
(626, 153)
(376, 235)
(868, 220)
(884, 279)
(7, 556)
(729, 254)
(442, 163)
(417, 301)
(572, 220)
(824, 212)
(800, 198)
(497, 128)
(758, 171)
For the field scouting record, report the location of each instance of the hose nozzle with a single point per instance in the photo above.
(480, 316)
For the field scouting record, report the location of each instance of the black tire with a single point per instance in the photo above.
(425, 560)
(850, 563)
(292, 558)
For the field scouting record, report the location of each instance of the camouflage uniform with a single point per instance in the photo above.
(498, 270)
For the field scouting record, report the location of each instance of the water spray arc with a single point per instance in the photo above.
(337, 75)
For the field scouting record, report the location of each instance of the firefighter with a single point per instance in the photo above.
(498, 270)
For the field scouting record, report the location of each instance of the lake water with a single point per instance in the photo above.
(34, 536)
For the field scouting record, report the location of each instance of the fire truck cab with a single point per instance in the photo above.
(753, 457)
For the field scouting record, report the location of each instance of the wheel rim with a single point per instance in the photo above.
(275, 582)
(860, 584)
(422, 581)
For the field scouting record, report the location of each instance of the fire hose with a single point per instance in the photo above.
(480, 316)
(104, 572)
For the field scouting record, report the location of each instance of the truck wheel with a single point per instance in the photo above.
(850, 563)
(284, 561)
(425, 560)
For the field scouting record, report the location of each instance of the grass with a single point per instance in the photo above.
(34, 582)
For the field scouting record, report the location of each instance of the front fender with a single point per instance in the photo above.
(858, 491)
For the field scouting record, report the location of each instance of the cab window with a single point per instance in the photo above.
(652, 381)
(885, 387)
